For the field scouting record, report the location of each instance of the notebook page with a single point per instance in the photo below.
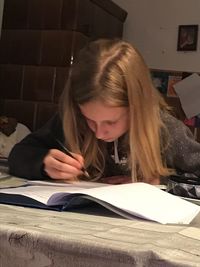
(147, 201)
(41, 193)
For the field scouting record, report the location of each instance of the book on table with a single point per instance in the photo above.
(128, 200)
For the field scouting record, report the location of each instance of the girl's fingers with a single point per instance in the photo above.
(58, 165)
(77, 162)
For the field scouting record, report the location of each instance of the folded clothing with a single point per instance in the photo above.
(184, 186)
(8, 141)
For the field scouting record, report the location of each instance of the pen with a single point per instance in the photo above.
(66, 150)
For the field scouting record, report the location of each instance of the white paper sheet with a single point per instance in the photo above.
(138, 199)
(188, 91)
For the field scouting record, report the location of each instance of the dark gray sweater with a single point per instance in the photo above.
(183, 153)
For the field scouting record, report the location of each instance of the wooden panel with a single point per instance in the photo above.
(45, 14)
(60, 80)
(15, 14)
(58, 47)
(104, 24)
(39, 41)
(5, 43)
(20, 47)
(112, 8)
(44, 112)
(77, 15)
(11, 81)
(38, 83)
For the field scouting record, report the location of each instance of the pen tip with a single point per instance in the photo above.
(86, 174)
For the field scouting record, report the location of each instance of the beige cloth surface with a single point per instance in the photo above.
(7, 142)
(33, 237)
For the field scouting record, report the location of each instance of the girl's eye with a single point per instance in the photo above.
(111, 122)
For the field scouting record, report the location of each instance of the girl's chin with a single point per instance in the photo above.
(109, 140)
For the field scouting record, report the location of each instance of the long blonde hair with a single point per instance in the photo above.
(114, 72)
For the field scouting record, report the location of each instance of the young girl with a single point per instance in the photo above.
(114, 122)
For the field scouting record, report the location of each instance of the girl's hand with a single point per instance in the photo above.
(58, 165)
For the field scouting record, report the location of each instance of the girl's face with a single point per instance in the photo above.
(107, 122)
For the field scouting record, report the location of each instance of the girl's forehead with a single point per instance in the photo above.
(99, 111)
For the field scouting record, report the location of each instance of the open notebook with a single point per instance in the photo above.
(129, 200)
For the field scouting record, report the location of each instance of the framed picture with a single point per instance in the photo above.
(187, 37)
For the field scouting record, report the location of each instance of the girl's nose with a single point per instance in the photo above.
(100, 132)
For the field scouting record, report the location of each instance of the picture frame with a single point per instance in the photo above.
(187, 38)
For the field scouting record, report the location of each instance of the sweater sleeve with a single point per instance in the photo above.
(26, 157)
(183, 153)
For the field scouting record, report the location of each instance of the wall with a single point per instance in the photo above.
(152, 26)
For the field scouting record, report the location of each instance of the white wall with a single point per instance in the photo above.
(152, 26)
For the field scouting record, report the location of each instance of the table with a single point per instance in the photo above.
(92, 238)
(3, 167)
